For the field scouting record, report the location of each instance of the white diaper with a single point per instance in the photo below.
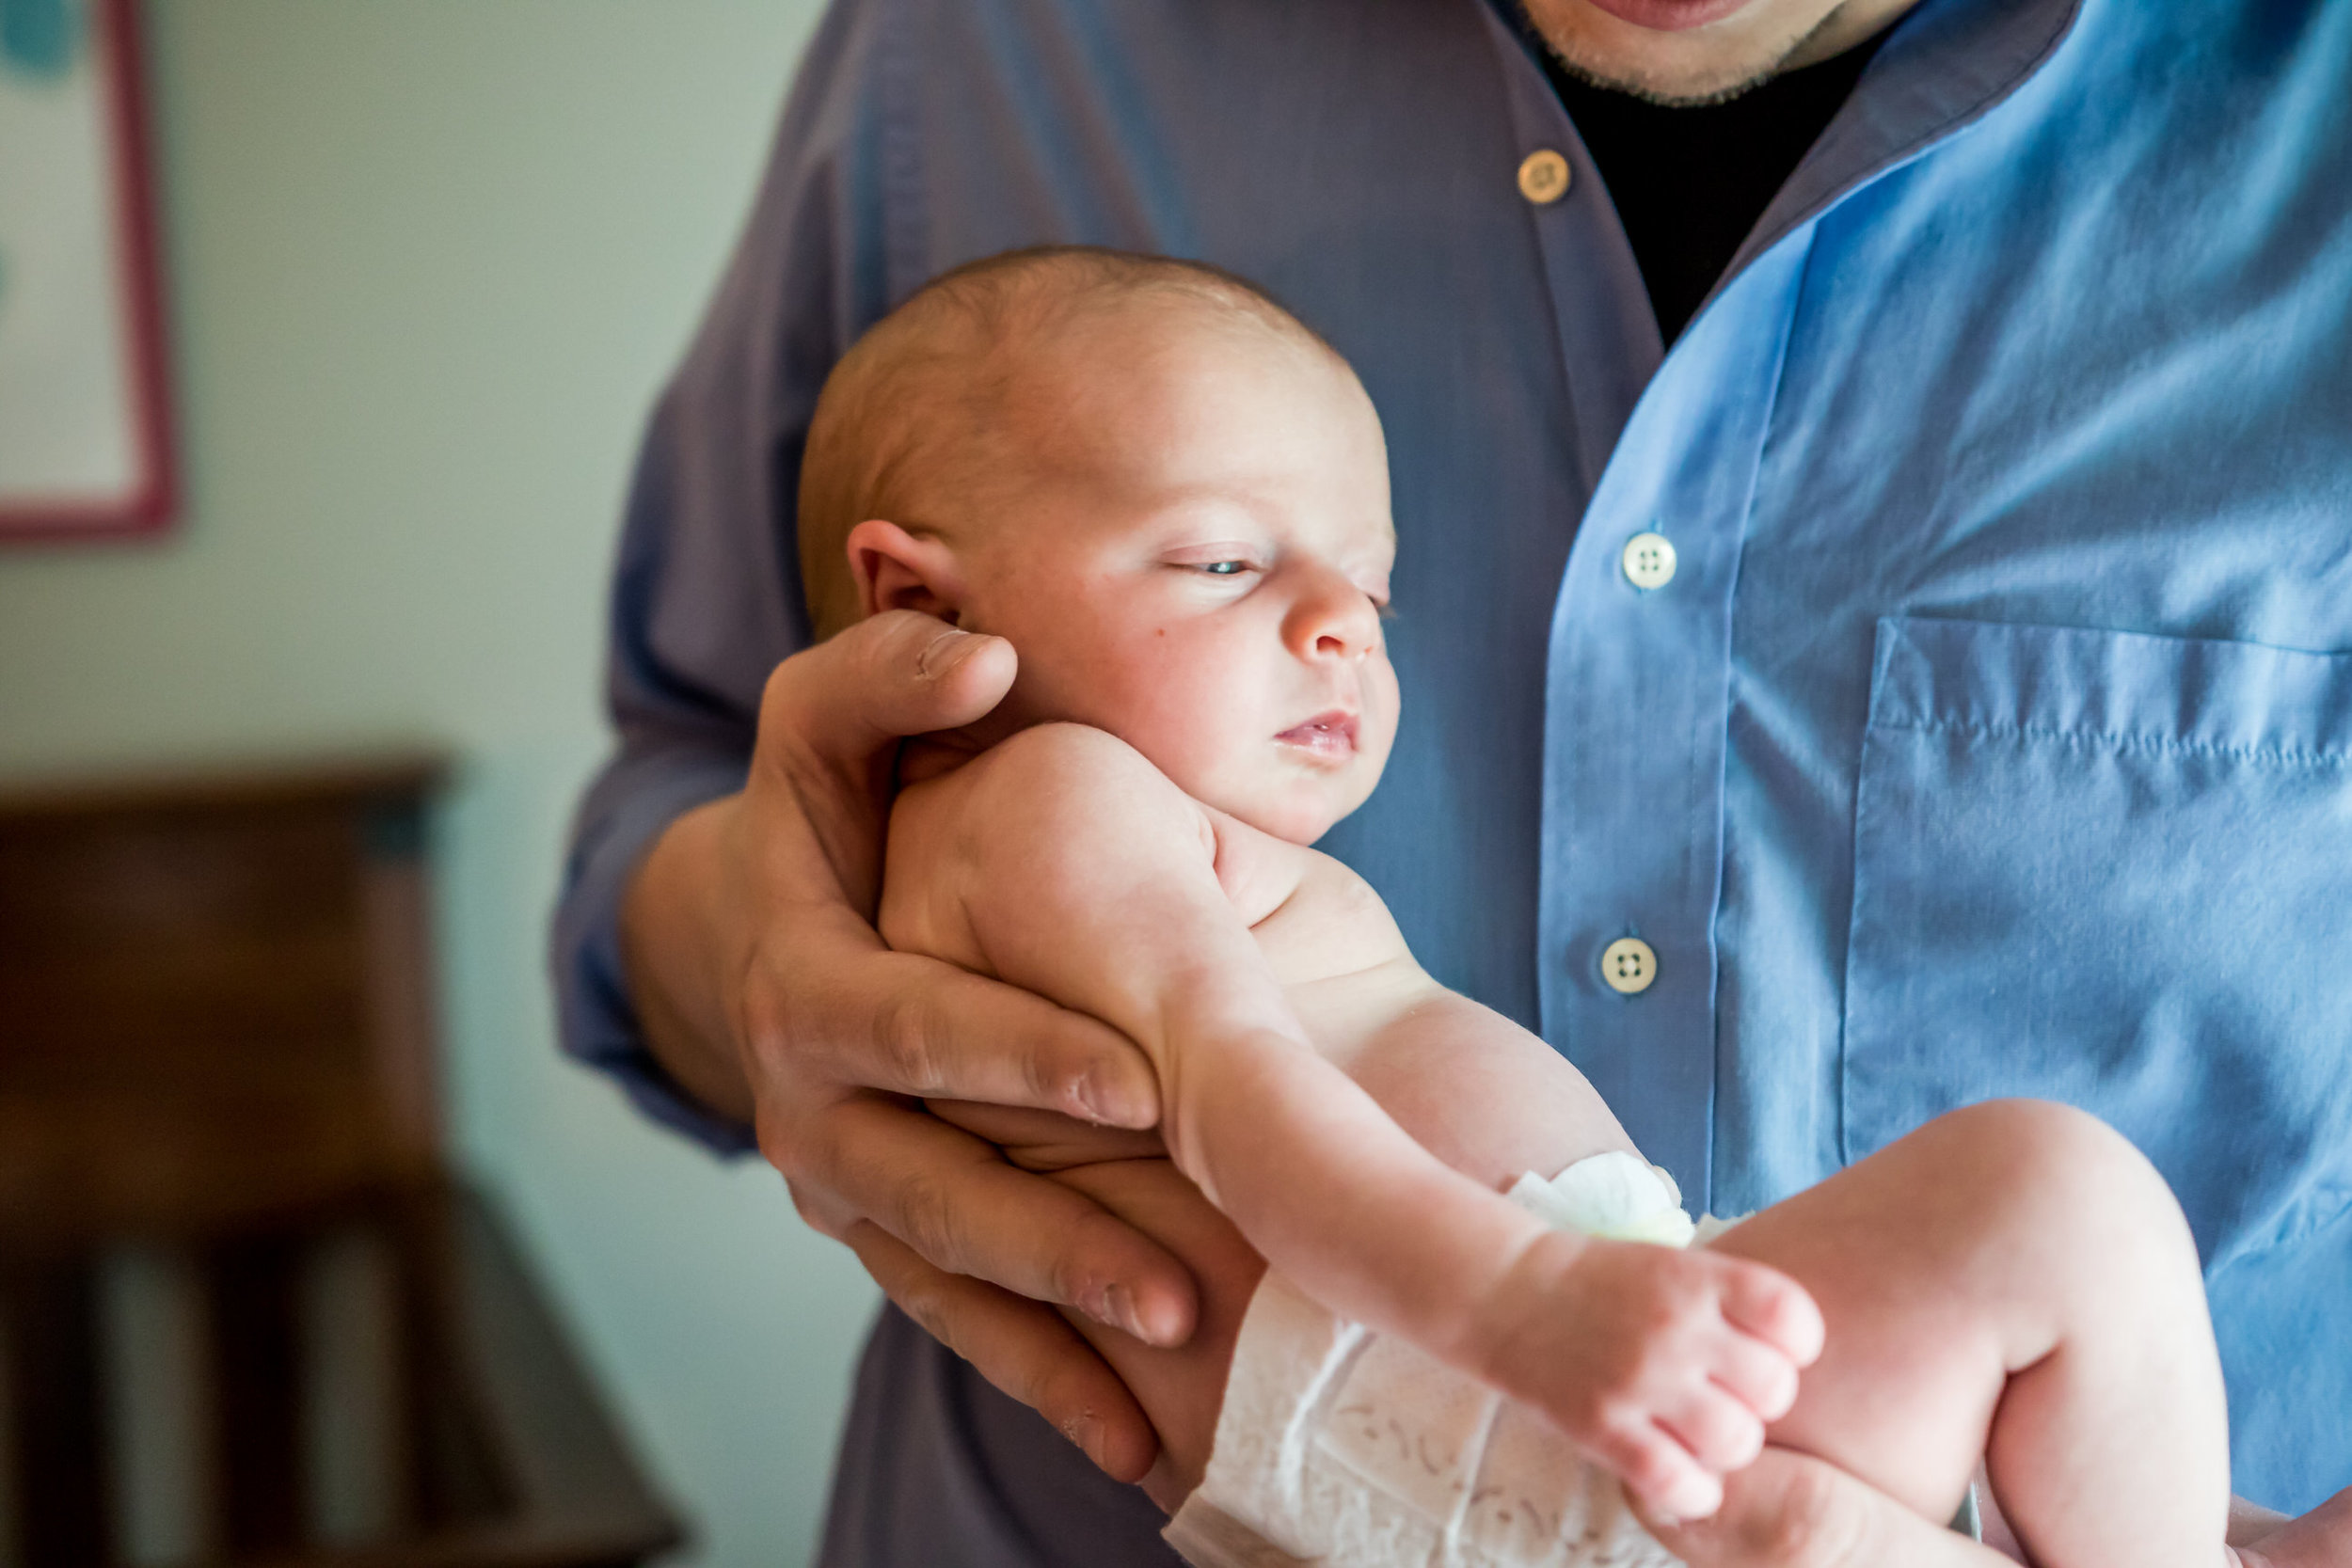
(1342, 1447)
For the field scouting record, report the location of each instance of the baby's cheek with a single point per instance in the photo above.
(1196, 727)
(1383, 703)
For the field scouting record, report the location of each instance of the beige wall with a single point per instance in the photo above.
(429, 262)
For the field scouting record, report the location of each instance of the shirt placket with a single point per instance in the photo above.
(1637, 702)
(1637, 673)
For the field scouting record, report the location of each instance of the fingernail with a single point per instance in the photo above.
(944, 653)
(1087, 1432)
(1103, 1102)
(1096, 1303)
(1121, 1303)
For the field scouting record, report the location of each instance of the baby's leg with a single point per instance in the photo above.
(1084, 875)
(2014, 1280)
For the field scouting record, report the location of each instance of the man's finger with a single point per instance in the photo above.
(1022, 1347)
(1790, 1510)
(1048, 1140)
(916, 1026)
(953, 1199)
(895, 674)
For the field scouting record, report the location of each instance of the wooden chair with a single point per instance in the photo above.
(247, 1315)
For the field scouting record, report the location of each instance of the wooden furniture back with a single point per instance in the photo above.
(213, 998)
(245, 1315)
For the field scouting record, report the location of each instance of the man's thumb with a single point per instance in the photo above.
(895, 674)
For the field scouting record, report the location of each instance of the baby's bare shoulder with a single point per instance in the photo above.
(1055, 806)
(1063, 802)
(1071, 781)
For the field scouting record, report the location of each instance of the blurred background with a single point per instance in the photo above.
(426, 265)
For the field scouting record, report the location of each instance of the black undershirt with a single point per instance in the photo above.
(1689, 184)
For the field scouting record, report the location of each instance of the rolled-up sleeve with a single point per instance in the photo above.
(705, 592)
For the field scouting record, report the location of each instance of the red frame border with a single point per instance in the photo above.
(138, 279)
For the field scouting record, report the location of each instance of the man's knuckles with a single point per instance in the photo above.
(907, 1039)
(828, 1150)
(828, 1219)
(768, 1020)
(923, 1294)
(923, 1212)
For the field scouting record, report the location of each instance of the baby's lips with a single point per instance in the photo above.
(1334, 731)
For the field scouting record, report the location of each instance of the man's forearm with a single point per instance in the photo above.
(675, 944)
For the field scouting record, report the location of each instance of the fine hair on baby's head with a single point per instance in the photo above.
(1167, 496)
(912, 424)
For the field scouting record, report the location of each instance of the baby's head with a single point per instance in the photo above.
(1168, 494)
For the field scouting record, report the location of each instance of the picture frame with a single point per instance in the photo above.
(86, 426)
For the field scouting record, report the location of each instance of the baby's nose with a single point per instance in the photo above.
(1335, 620)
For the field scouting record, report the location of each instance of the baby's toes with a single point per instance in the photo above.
(1659, 1472)
(1773, 1307)
(1692, 1493)
(1722, 1433)
(1758, 1376)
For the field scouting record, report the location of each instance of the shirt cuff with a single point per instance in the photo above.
(625, 812)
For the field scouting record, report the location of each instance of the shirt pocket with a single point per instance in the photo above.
(2113, 870)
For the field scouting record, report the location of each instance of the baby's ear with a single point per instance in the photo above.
(897, 570)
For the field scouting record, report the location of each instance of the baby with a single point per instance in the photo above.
(1171, 499)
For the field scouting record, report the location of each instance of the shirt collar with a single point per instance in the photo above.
(1944, 65)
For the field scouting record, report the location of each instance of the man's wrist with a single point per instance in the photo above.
(676, 950)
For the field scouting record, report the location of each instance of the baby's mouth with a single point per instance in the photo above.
(1326, 737)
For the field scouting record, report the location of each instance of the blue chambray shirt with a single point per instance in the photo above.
(1993, 733)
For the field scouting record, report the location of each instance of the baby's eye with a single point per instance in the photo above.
(1225, 568)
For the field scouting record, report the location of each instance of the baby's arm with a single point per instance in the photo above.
(1073, 867)
(1082, 874)
(1470, 1086)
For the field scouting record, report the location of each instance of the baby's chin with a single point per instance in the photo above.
(1299, 810)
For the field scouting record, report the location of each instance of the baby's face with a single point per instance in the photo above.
(1195, 557)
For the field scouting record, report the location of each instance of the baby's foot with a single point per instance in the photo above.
(1663, 1365)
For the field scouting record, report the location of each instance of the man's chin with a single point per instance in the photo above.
(1677, 52)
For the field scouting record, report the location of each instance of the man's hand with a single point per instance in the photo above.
(762, 986)
(1788, 1509)
(2320, 1539)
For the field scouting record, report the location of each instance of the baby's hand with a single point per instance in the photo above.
(1663, 1365)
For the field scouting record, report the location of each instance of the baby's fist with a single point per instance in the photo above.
(1664, 1365)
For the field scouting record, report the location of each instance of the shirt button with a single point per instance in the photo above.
(1543, 177)
(1628, 966)
(1648, 561)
